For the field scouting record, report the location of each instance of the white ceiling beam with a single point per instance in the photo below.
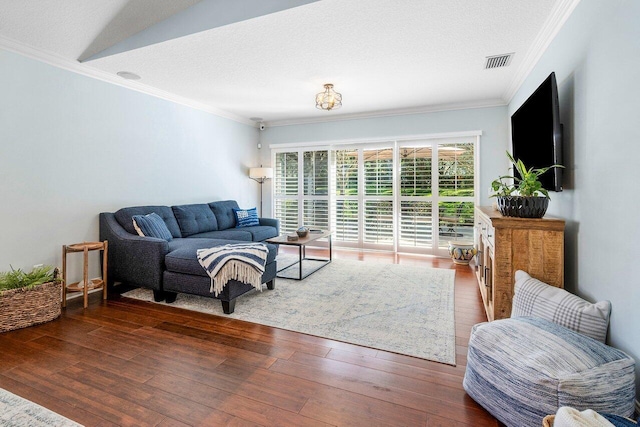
(202, 16)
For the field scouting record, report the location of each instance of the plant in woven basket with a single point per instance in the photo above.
(15, 279)
(28, 299)
(522, 194)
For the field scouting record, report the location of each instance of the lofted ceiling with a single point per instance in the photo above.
(267, 59)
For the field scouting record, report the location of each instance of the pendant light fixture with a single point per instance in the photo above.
(329, 99)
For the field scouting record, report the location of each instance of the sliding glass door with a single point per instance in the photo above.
(403, 195)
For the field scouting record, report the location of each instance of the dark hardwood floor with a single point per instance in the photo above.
(126, 362)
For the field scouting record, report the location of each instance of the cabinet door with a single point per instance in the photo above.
(489, 280)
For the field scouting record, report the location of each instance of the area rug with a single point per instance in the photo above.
(398, 308)
(18, 412)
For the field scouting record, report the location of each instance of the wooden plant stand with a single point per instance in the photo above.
(85, 248)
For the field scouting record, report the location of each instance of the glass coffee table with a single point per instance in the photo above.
(301, 244)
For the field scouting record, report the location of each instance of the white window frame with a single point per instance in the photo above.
(360, 145)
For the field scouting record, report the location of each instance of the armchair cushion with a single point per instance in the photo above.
(535, 298)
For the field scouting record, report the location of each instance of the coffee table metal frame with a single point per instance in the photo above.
(302, 256)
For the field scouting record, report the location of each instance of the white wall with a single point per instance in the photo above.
(72, 147)
(596, 58)
(492, 121)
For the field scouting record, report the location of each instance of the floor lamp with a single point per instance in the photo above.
(260, 175)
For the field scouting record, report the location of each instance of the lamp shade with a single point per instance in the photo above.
(261, 173)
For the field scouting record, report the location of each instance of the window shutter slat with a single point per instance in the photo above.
(455, 170)
(378, 222)
(416, 227)
(378, 172)
(345, 224)
(415, 171)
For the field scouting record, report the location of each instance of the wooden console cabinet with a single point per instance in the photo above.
(506, 245)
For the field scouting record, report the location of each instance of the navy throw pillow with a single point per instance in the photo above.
(246, 217)
(151, 226)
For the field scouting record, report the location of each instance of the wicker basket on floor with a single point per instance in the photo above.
(24, 307)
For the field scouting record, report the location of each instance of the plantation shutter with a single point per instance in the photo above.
(456, 182)
(455, 169)
(416, 205)
(285, 189)
(378, 196)
(409, 195)
(315, 212)
(345, 195)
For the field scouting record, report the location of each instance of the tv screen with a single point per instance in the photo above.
(536, 133)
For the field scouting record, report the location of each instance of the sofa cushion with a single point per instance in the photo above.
(246, 217)
(231, 234)
(194, 219)
(261, 232)
(535, 298)
(182, 257)
(124, 217)
(151, 226)
(223, 210)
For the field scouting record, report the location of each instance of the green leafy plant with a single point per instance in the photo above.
(19, 279)
(525, 182)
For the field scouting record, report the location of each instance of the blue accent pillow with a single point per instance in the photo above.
(246, 217)
(151, 225)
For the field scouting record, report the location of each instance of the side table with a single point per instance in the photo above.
(85, 248)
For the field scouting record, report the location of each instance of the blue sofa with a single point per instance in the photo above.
(170, 267)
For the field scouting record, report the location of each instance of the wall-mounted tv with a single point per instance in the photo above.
(536, 133)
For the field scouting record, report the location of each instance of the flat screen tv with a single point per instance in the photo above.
(536, 133)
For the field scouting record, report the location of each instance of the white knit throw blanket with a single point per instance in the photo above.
(571, 417)
(243, 262)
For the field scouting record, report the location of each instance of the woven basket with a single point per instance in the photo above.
(24, 307)
(548, 421)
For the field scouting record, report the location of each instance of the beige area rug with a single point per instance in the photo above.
(402, 309)
(18, 412)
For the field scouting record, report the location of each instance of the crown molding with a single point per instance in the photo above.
(82, 69)
(552, 26)
(387, 113)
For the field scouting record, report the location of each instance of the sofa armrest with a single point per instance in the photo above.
(273, 222)
(132, 259)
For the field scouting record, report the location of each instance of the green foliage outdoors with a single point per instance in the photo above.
(526, 183)
(19, 279)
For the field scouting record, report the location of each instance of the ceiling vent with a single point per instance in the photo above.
(498, 61)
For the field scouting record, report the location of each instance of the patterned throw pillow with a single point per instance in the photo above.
(538, 299)
(151, 226)
(246, 217)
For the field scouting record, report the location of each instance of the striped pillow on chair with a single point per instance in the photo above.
(538, 299)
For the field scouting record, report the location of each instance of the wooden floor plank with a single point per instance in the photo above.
(55, 404)
(241, 406)
(344, 408)
(456, 410)
(133, 363)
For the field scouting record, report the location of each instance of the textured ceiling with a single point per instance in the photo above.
(382, 55)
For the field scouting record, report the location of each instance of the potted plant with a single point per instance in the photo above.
(522, 195)
(29, 298)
